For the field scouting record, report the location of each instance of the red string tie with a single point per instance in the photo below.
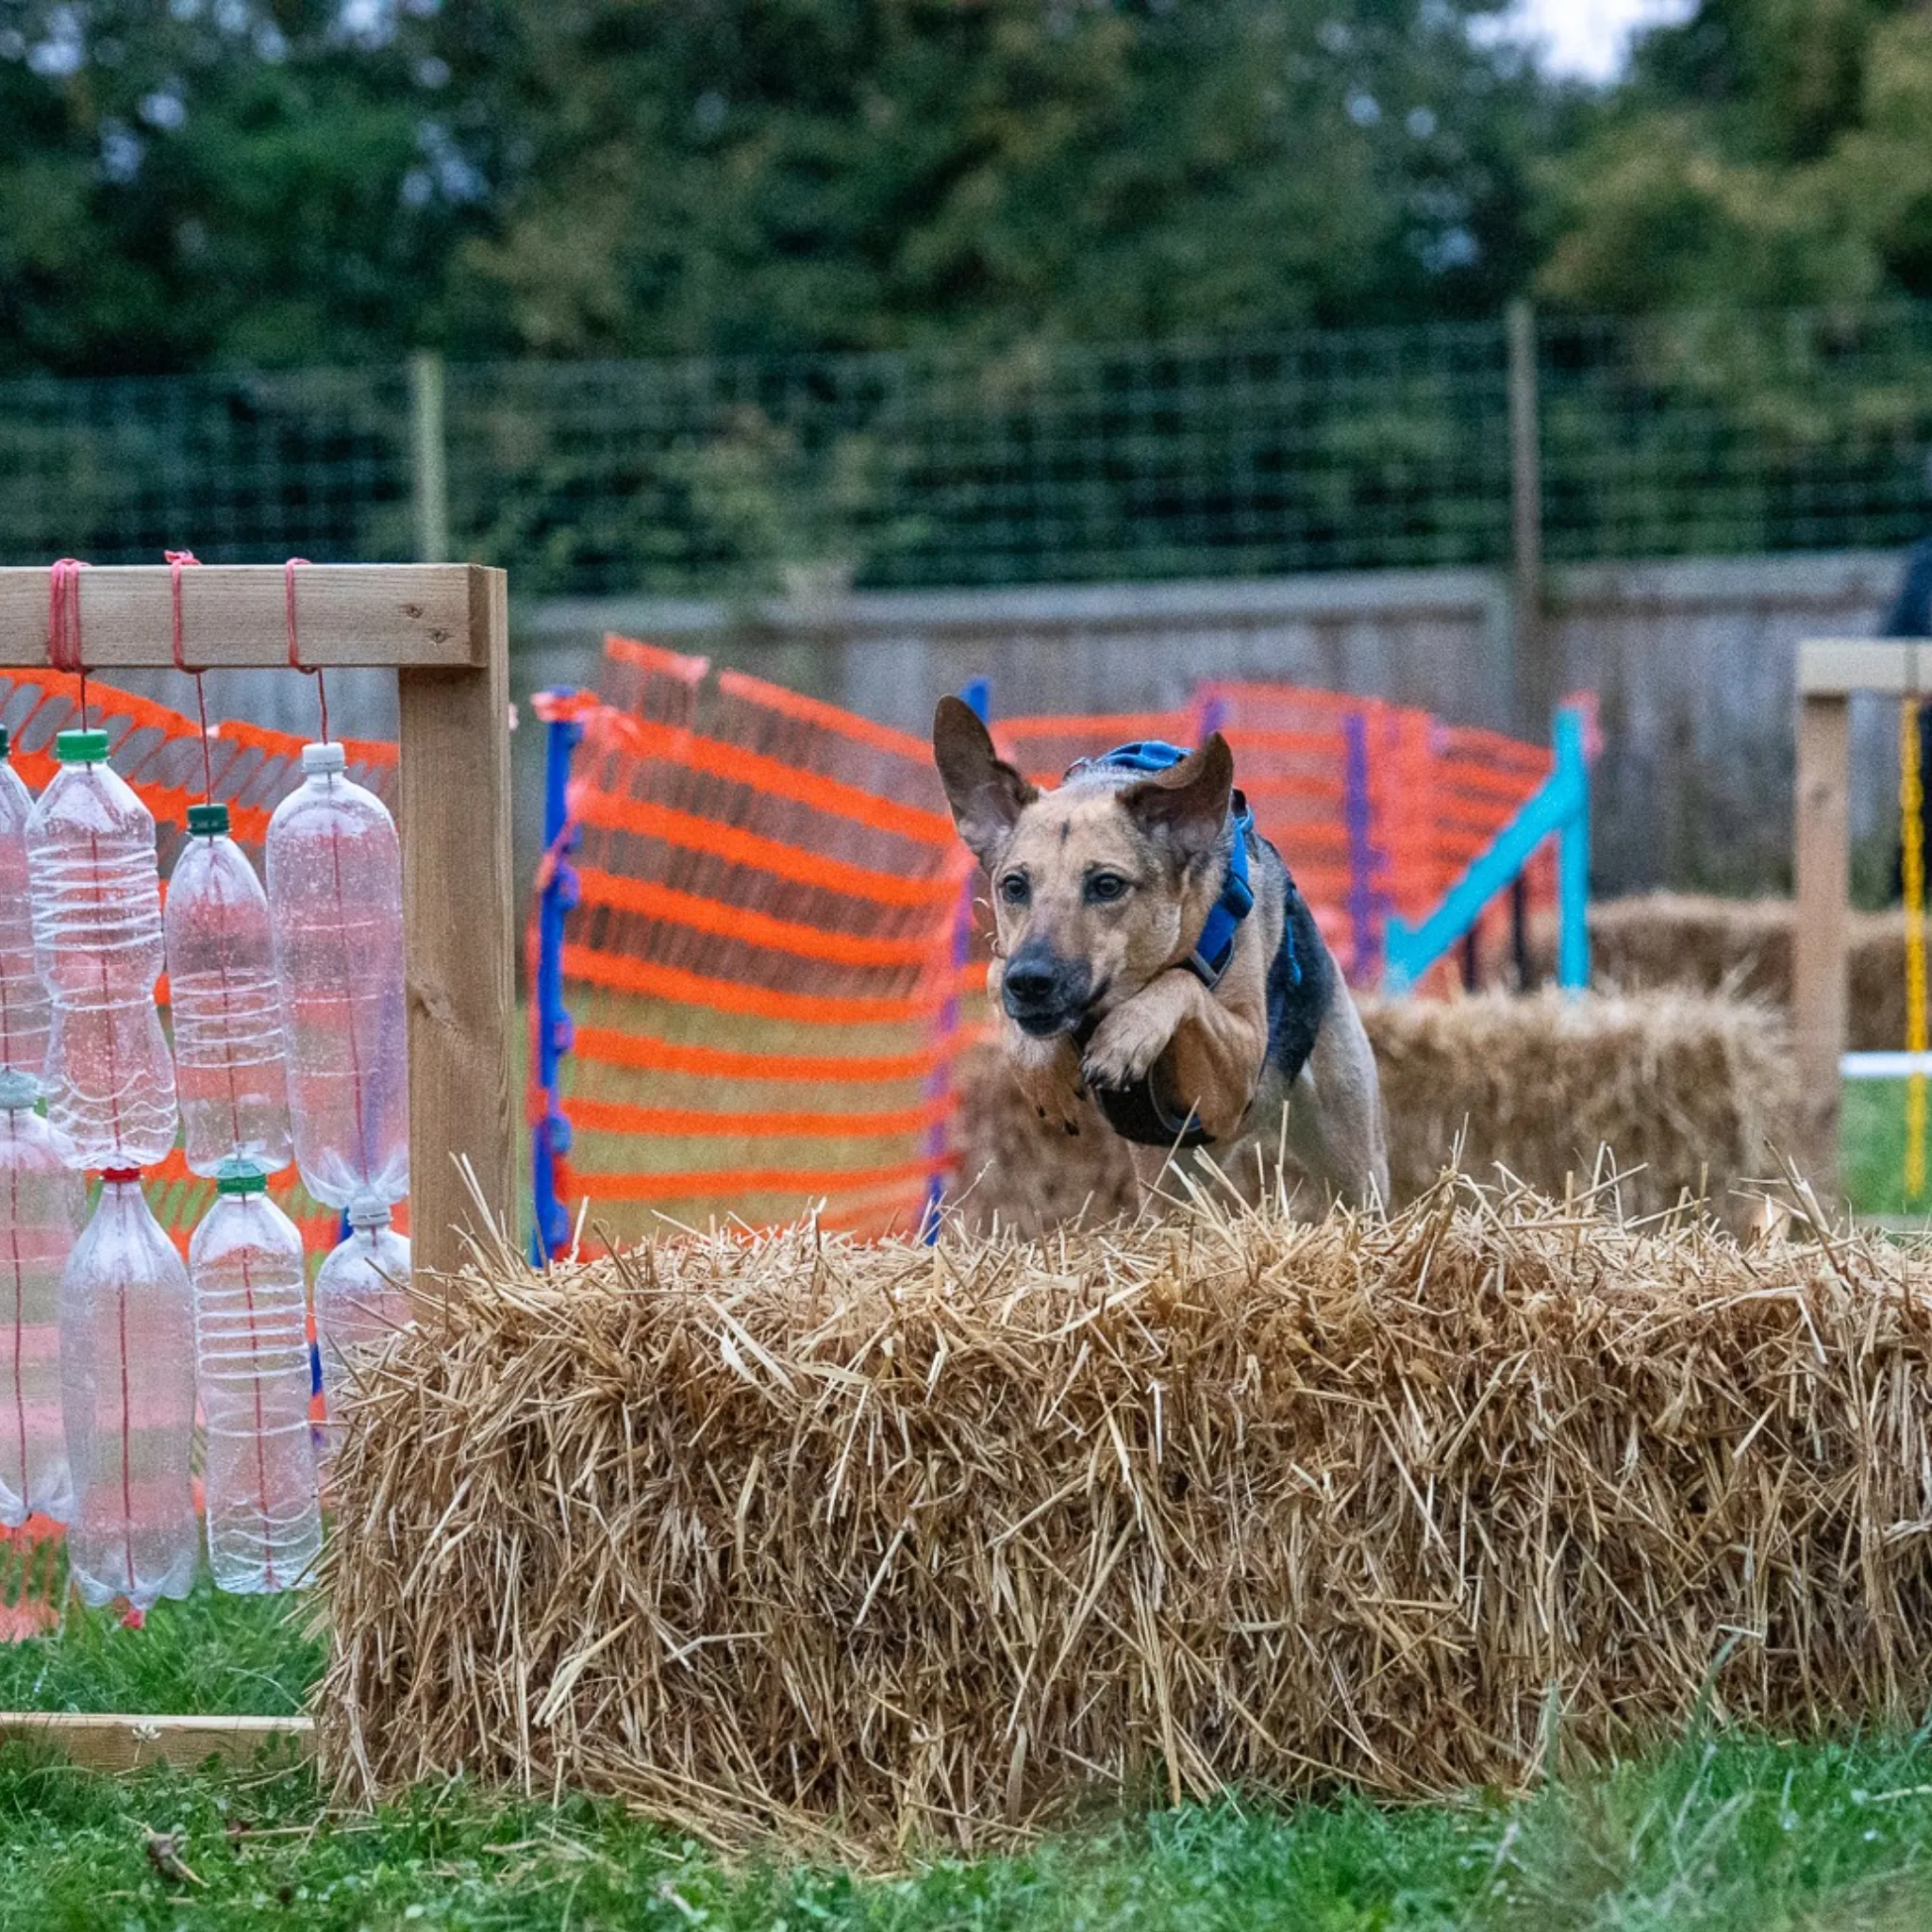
(295, 662)
(63, 623)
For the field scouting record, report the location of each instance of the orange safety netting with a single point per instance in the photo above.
(767, 969)
(763, 967)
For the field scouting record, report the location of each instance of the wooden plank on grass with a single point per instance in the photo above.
(99, 1741)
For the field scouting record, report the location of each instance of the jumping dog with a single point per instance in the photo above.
(1152, 950)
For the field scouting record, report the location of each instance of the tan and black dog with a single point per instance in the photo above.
(1152, 947)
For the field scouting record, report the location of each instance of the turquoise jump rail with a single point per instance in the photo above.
(1560, 808)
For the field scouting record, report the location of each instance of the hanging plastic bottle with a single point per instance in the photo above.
(127, 1393)
(251, 1330)
(335, 890)
(40, 1200)
(97, 942)
(230, 1063)
(362, 1295)
(24, 1013)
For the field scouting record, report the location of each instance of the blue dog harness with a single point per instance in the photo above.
(1136, 1112)
(1214, 949)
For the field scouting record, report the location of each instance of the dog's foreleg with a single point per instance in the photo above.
(1217, 1047)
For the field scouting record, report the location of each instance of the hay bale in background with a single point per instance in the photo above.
(1691, 1093)
(1694, 942)
(895, 1543)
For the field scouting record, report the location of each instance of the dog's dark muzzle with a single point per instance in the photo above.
(1044, 994)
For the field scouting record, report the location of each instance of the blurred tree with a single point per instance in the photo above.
(1766, 153)
(278, 181)
(219, 180)
(750, 175)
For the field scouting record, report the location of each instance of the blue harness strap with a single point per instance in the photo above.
(1139, 1112)
(1213, 950)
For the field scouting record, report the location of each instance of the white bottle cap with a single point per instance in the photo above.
(324, 757)
(369, 1210)
(17, 1091)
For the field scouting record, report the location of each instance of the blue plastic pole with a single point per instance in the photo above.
(549, 1134)
(977, 695)
(1572, 859)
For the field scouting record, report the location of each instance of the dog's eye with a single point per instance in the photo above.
(1104, 888)
(1014, 889)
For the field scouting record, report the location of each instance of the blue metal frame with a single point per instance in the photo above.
(550, 1133)
(977, 696)
(1560, 807)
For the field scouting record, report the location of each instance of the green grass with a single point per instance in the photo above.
(1872, 1149)
(1715, 1833)
(211, 1654)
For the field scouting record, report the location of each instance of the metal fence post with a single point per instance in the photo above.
(429, 457)
(1531, 687)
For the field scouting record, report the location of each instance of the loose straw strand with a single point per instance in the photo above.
(179, 560)
(295, 662)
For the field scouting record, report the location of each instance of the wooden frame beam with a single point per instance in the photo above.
(1822, 875)
(444, 629)
(1830, 667)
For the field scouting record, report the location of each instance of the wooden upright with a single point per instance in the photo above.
(443, 629)
(1828, 674)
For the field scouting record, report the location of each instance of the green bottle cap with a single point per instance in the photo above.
(240, 1177)
(81, 747)
(208, 820)
(6, 741)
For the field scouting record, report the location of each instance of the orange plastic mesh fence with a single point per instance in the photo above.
(159, 751)
(762, 969)
(768, 971)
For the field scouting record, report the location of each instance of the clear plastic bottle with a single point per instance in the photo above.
(128, 1393)
(97, 942)
(230, 1063)
(335, 890)
(251, 1335)
(40, 1199)
(362, 1296)
(24, 1013)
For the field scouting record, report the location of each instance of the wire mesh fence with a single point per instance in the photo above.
(1345, 449)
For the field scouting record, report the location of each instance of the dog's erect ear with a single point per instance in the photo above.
(1187, 805)
(986, 793)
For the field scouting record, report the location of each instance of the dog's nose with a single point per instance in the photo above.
(1029, 983)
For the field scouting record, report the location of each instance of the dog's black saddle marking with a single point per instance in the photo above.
(1300, 985)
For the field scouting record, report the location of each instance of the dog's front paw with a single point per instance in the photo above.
(1047, 1073)
(1126, 1043)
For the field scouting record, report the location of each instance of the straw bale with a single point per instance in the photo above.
(887, 1546)
(1741, 947)
(1692, 1093)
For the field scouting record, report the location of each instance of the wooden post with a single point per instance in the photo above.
(429, 457)
(1533, 689)
(457, 932)
(1821, 865)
